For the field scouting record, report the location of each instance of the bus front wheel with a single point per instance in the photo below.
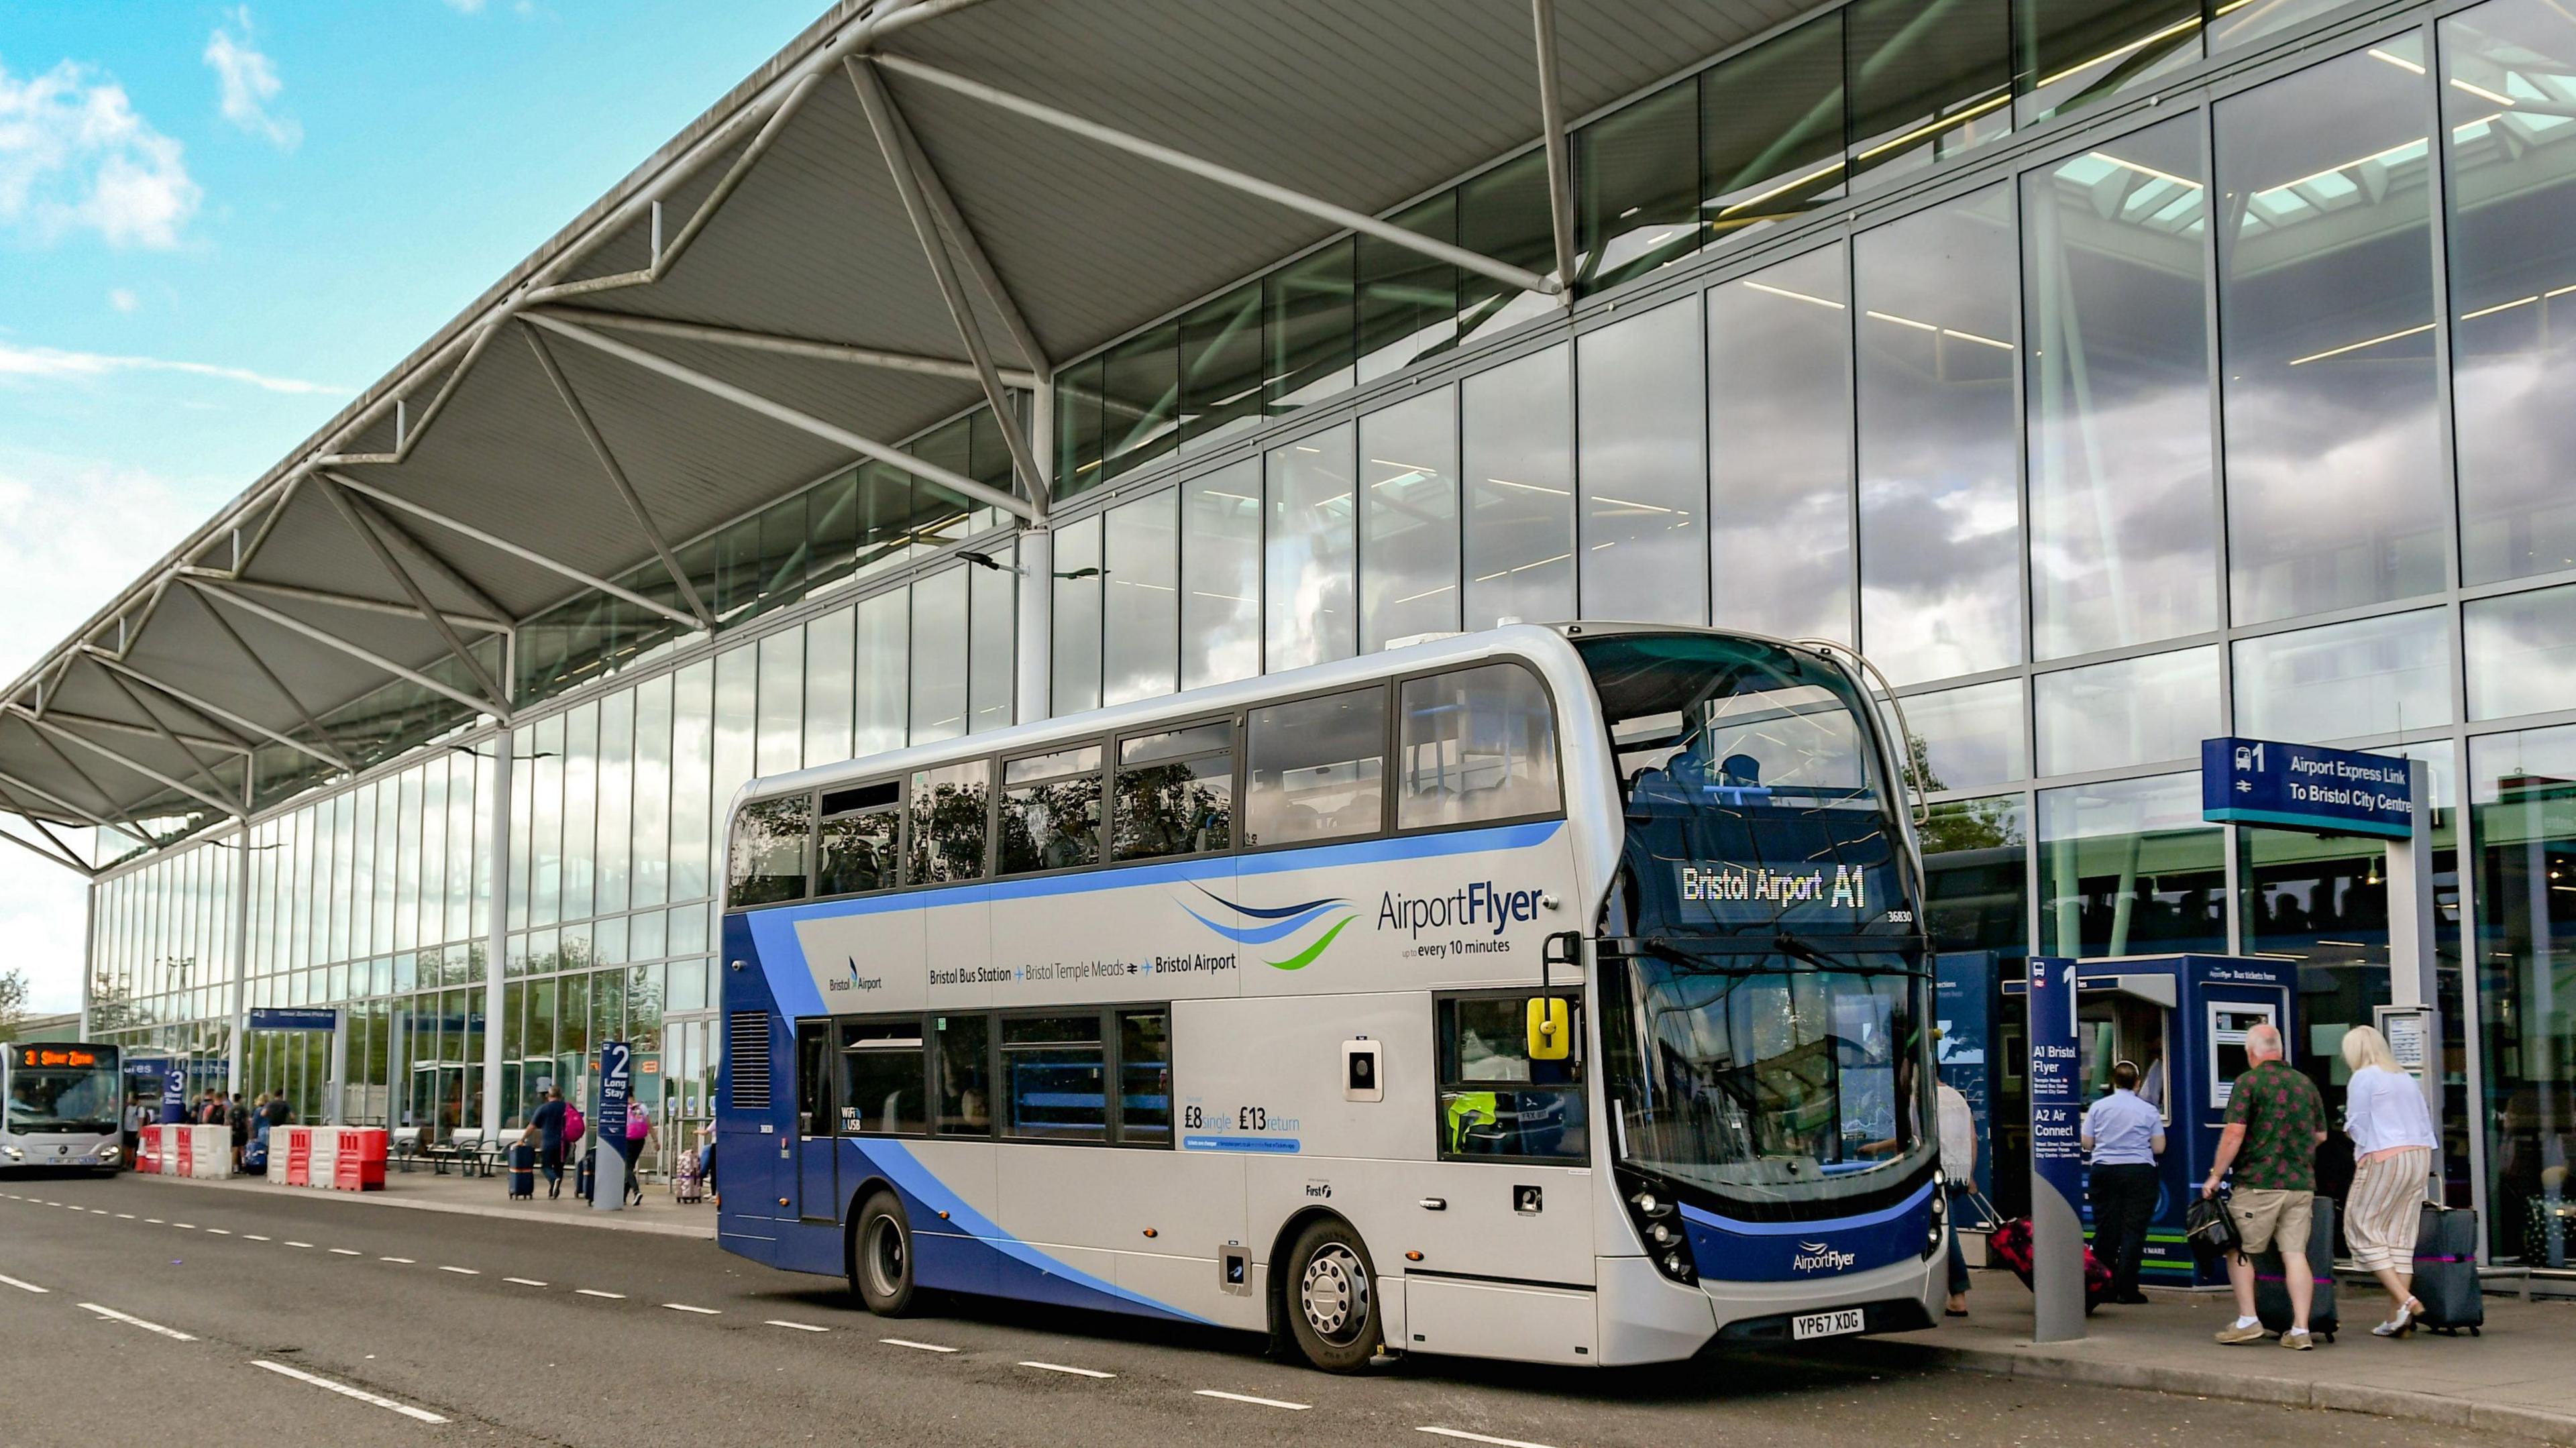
(881, 1257)
(1332, 1297)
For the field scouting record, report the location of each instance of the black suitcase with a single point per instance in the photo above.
(523, 1172)
(2271, 1288)
(586, 1175)
(2446, 1270)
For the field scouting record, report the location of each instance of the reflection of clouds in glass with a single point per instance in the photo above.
(2128, 556)
(1307, 585)
(2133, 711)
(2515, 435)
(2370, 676)
(1409, 519)
(1969, 738)
(2333, 490)
(1780, 449)
(1519, 472)
(2521, 652)
(1221, 576)
(1141, 604)
(1643, 484)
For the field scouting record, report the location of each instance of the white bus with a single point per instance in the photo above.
(65, 1100)
(1549, 993)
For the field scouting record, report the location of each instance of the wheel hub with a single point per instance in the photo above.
(1334, 1293)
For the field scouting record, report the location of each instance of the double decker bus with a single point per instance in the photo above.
(1554, 994)
(64, 1106)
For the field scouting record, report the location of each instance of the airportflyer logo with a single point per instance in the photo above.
(1268, 925)
(1822, 1257)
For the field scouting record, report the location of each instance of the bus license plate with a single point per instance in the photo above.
(1827, 1324)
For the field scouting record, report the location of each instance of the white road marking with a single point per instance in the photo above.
(156, 1221)
(1257, 1402)
(218, 1231)
(463, 1271)
(1481, 1438)
(24, 1286)
(920, 1346)
(346, 1252)
(1061, 1368)
(253, 1237)
(524, 1281)
(406, 1261)
(185, 1226)
(773, 1322)
(299, 1244)
(344, 1390)
(701, 1311)
(125, 1216)
(595, 1292)
(110, 1312)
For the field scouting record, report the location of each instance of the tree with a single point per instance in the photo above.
(108, 1006)
(13, 1002)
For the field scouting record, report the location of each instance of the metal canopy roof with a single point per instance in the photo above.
(755, 307)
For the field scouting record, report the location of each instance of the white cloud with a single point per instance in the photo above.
(249, 83)
(51, 362)
(74, 156)
(124, 300)
(466, 7)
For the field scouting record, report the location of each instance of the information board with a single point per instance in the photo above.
(2303, 787)
(2056, 1152)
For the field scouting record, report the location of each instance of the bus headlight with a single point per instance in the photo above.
(107, 1155)
(1658, 1220)
(13, 1153)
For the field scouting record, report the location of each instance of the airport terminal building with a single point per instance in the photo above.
(2115, 373)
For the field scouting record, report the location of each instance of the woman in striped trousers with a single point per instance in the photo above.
(2392, 1146)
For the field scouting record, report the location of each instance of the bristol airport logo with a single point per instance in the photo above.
(1266, 925)
(1822, 1257)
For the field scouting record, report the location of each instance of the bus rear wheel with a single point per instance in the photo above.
(881, 1257)
(1331, 1291)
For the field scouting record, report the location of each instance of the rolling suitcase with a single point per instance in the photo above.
(523, 1172)
(586, 1174)
(2271, 1286)
(2446, 1271)
(2012, 1243)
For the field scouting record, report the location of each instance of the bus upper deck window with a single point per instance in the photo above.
(772, 840)
(947, 824)
(1317, 768)
(1475, 745)
(1175, 793)
(1051, 811)
(857, 840)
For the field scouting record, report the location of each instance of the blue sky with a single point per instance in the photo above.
(218, 223)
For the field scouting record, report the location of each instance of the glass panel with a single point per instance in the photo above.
(939, 656)
(994, 615)
(767, 862)
(652, 862)
(2237, 23)
(959, 1049)
(545, 835)
(884, 650)
(1475, 745)
(1644, 481)
(1637, 188)
(780, 741)
(882, 1086)
(1939, 508)
(1050, 814)
(1519, 470)
(2090, 718)
(1221, 576)
(1309, 616)
(1409, 519)
(1175, 792)
(1494, 1100)
(1977, 885)
(858, 839)
(2076, 53)
(1076, 617)
(1145, 1078)
(1077, 428)
(1140, 397)
(1307, 307)
(2525, 801)
(2521, 653)
(736, 726)
(1505, 214)
(692, 748)
(2370, 676)
(947, 829)
(828, 688)
(1316, 768)
(1408, 302)
(1058, 1075)
(1221, 367)
(1779, 422)
(2509, 108)
(2326, 306)
(1969, 738)
(2129, 869)
(1141, 605)
(1926, 84)
(1771, 121)
(2124, 541)
(616, 799)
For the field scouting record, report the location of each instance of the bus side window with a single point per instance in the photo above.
(813, 1078)
(1497, 1103)
(1051, 811)
(1175, 793)
(1145, 1077)
(946, 834)
(882, 1077)
(1056, 1071)
(1475, 745)
(858, 838)
(959, 1053)
(771, 841)
(1317, 768)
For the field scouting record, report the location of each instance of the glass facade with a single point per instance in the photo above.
(2244, 411)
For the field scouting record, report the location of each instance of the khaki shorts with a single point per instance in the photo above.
(2264, 1217)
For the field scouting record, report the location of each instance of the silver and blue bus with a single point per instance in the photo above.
(1556, 994)
(65, 1101)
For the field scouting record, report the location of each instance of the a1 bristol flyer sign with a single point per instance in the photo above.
(2303, 787)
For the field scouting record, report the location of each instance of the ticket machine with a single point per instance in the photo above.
(2183, 1020)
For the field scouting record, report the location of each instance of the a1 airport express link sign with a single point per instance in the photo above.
(2304, 787)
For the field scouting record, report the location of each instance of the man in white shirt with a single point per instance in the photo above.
(2123, 1136)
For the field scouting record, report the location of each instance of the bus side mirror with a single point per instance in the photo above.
(1551, 1037)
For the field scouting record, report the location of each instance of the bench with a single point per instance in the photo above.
(403, 1148)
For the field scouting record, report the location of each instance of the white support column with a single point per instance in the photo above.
(497, 931)
(242, 859)
(2413, 962)
(89, 959)
(1034, 687)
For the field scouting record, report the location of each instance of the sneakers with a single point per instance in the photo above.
(2298, 1341)
(2234, 1335)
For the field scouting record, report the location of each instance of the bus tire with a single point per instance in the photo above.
(881, 1256)
(1331, 1297)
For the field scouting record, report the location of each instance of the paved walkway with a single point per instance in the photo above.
(424, 1190)
(2518, 1377)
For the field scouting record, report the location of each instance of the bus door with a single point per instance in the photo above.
(812, 1186)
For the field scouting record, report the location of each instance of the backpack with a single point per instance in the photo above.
(639, 1122)
(574, 1123)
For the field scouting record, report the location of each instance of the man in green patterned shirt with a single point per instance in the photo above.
(2275, 1121)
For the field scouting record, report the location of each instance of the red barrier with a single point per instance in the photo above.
(360, 1164)
(147, 1150)
(299, 1155)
